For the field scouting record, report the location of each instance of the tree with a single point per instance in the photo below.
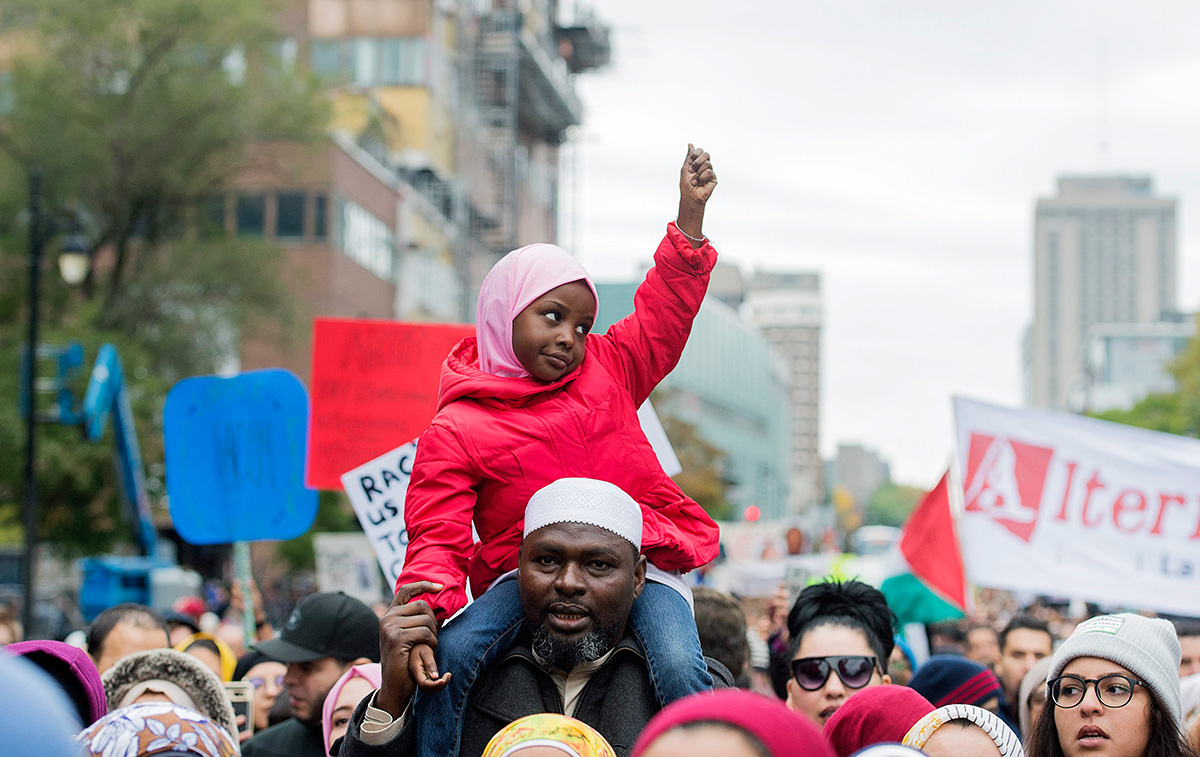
(891, 504)
(138, 113)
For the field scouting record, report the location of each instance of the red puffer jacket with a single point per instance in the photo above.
(495, 441)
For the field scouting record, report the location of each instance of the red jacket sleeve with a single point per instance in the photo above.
(645, 346)
(438, 509)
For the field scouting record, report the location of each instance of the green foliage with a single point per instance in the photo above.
(136, 112)
(1176, 413)
(891, 504)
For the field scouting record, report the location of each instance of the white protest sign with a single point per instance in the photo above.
(652, 428)
(1066, 505)
(376, 491)
(344, 563)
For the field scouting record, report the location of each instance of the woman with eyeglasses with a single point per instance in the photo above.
(841, 640)
(1113, 692)
(266, 676)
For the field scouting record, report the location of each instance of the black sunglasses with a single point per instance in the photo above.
(854, 670)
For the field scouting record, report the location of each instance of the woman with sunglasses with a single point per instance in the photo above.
(1113, 692)
(841, 641)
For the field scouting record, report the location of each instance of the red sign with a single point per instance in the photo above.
(374, 388)
(1005, 479)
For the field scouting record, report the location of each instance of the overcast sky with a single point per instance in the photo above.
(898, 149)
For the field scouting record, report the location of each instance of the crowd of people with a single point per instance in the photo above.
(535, 492)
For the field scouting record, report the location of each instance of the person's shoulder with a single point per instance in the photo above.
(287, 738)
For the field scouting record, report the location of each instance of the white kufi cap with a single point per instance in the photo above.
(585, 500)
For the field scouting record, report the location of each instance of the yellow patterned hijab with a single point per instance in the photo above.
(568, 735)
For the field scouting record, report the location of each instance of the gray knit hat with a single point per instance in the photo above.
(1147, 647)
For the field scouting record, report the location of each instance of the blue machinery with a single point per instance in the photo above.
(109, 579)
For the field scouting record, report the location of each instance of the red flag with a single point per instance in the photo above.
(930, 546)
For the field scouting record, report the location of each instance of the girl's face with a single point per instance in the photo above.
(1097, 730)
(824, 641)
(353, 692)
(549, 335)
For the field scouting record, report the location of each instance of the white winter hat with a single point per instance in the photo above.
(1147, 647)
(585, 500)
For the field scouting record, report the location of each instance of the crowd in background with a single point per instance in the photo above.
(822, 655)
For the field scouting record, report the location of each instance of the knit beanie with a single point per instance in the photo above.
(1146, 647)
(950, 679)
(875, 715)
(585, 500)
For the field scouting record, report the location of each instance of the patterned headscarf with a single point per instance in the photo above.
(1007, 741)
(144, 729)
(568, 735)
(519, 278)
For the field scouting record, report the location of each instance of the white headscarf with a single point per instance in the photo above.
(1007, 741)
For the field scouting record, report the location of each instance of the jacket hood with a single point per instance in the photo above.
(72, 669)
(462, 377)
(183, 670)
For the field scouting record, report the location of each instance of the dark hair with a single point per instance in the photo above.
(755, 743)
(128, 612)
(1027, 622)
(1186, 626)
(950, 630)
(1166, 740)
(850, 604)
(203, 643)
(721, 623)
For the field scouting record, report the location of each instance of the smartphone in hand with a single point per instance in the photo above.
(241, 696)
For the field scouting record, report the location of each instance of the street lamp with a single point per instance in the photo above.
(74, 263)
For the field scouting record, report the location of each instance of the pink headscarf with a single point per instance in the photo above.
(784, 733)
(519, 278)
(371, 671)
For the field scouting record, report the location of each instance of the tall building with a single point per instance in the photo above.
(860, 471)
(731, 388)
(457, 110)
(1104, 253)
(787, 307)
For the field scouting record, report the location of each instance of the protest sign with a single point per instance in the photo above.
(376, 490)
(344, 563)
(1066, 505)
(234, 451)
(374, 387)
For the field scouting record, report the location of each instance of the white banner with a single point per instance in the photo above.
(376, 490)
(1071, 506)
(344, 563)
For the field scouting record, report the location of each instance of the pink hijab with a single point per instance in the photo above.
(519, 278)
(370, 671)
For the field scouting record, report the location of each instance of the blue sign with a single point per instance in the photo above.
(234, 452)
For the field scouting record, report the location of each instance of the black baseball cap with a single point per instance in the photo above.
(326, 625)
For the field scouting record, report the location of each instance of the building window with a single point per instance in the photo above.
(289, 215)
(251, 215)
(366, 240)
(211, 220)
(325, 57)
(320, 214)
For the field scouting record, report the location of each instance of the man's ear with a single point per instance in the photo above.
(639, 576)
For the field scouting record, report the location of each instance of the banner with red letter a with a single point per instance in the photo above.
(1071, 506)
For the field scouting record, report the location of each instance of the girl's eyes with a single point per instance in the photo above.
(554, 316)
(583, 330)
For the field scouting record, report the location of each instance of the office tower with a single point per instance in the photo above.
(1104, 253)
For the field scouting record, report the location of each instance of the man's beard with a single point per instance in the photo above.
(565, 655)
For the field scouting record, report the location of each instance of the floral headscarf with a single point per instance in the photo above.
(145, 729)
(568, 735)
(1006, 740)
